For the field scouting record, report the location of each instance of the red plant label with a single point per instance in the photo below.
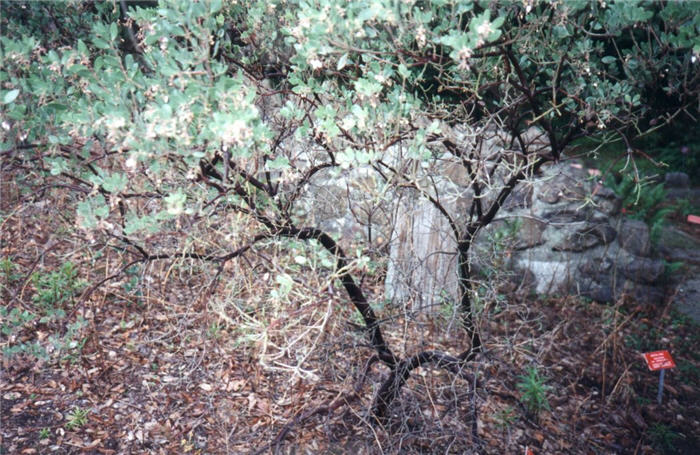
(528, 451)
(694, 219)
(659, 360)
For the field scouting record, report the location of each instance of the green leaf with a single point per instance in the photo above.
(560, 31)
(115, 183)
(10, 96)
(100, 43)
(342, 61)
(175, 202)
(135, 224)
(113, 31)
(57, 107)
(279, 163)
(90, 210)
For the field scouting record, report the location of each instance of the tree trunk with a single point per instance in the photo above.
(465, 290)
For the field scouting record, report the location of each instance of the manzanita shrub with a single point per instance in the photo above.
(174, 117)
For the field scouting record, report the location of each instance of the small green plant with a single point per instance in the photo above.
(356, 318)
(505, 418)
(55, 290)
(533, 391)
(643, 401)
(503, 238)
(663, 438)
(44, 433)
(132, 284)
(71, 344)
(689, 373)
(77, 418)
(670, 268)
(14, 319)
(643, 202)
(12, 322)
(8, 270)
(214, 330)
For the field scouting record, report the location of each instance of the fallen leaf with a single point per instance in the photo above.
(206, 387)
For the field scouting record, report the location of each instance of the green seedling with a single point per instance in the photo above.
(533, 391)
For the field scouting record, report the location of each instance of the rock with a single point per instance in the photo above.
(606, 200)
(607, 290)
(577, 242)
(687, 299)
(676, 180)
(525, 279)
(566, 215)
(634, 237)
(562, 188)
(610, 207)
(603, 231)
(520, 198)
(644, 270)
(642, 293)
(603, 192)
(684, 255)
(595, 266)
(586, 238)
(520, 281)
(552, 276)
(571, 239)
(692, 194)
(549, 195)
(530, 233)
(596, 291)
(678, 246)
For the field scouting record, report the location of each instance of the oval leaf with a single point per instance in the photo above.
(342, 61)
(10, 96)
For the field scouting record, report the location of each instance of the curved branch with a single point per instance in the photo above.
(354, 292)
(397, 378)
(145, 257)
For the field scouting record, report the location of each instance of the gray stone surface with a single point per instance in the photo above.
(634, 237)
(687, 298)
(676, 180)
(606, 201)
(679, 247)
(521, 198)
(644, 270)
(530, 233)
(692, 194)
(578, 241)
(566, 214)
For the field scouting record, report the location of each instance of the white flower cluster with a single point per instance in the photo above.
(483, 31)
(463, 55)
(421, 38)
(237, 133)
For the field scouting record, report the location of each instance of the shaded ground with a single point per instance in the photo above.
(154, 362)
